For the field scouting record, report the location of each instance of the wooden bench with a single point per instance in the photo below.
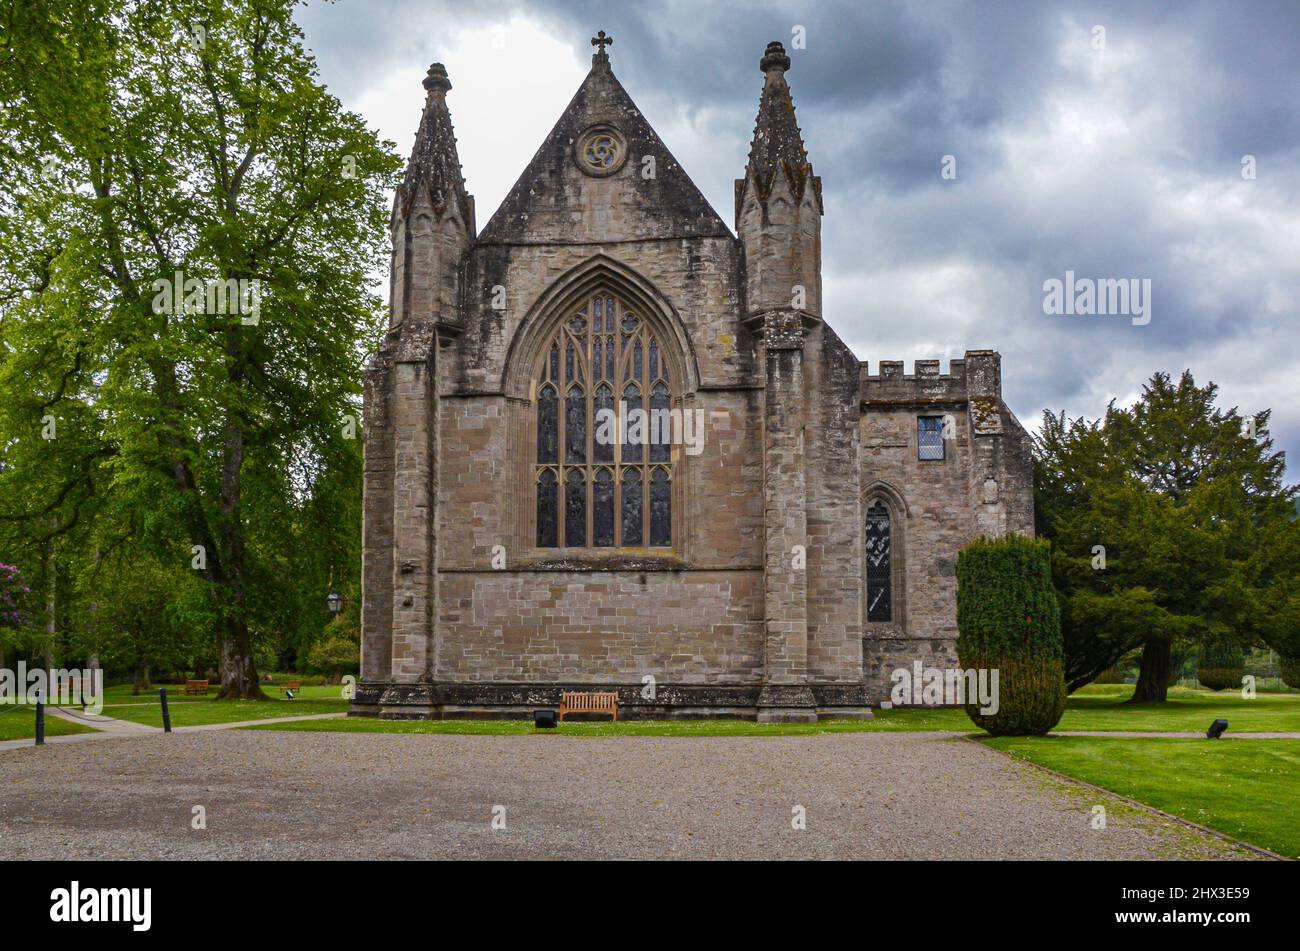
(294, 685)
(597, 702)
(196, 686)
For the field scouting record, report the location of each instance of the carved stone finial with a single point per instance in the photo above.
(774, 58)
(601, 40)
(437, 78)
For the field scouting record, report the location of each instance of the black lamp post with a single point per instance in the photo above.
(335, 602)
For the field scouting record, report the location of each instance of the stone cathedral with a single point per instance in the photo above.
(765, 530)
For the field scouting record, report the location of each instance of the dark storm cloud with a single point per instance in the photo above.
(1119, 163)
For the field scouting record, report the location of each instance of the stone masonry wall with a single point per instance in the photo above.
(982, 486)
(682, 627)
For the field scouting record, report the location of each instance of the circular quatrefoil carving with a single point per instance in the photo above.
(600, 150)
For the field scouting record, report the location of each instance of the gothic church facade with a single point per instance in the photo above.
(776, 563)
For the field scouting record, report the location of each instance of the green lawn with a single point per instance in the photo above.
(1102, 707)
(222, 711)
(1246, 789)
(121, 694)
(19, 723)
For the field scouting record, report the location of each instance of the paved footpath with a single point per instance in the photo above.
(271, 794)
(108, 727)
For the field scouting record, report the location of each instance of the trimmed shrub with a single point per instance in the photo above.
(1008, 618)
(1222, 664)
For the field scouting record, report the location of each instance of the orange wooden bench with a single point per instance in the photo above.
(294, 685)
(196, 686)
(598, 702)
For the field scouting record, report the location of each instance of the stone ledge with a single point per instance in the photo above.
(672, 701)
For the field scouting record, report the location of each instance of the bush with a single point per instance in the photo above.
(1222, 664)
(1008, 618)
(335, 655)
(1291, 670)
(13, 592)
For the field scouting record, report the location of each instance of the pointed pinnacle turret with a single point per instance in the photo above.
(778, 144)
(434, 169)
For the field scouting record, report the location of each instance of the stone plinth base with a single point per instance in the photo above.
(505, 701)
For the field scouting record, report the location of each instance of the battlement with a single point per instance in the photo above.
(977, 375)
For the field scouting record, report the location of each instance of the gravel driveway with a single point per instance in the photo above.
(342, 795)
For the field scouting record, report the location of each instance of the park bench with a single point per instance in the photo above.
(294, 685)
(196, 686)
(597, 702)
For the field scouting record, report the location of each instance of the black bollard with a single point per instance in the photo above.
(167, 717)
(40, 723)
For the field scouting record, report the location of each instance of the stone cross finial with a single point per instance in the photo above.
(601, 40)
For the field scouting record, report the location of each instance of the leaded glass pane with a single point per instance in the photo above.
(635, 433)
(548, 426)
(547, 511)
(575, 426)
(575, 509)
(606, 426)
(661, 426)
(661, 509)
(602, 509)
(632, 508)
(929, 437)
(878, 553)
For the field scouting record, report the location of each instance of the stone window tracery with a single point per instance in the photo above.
(601, 478)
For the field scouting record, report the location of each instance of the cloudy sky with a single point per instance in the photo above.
(1124, 161)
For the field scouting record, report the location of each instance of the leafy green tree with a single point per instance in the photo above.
(188, 222)
(1158, 515)
(136, 614)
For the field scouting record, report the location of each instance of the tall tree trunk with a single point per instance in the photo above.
(1153, 672)
(239, 678)
(140, 678)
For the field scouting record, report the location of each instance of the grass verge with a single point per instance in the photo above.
(1245, 789)
(19, 723)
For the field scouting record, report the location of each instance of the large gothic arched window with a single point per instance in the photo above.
(603, 466)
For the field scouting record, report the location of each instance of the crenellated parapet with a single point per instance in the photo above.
(977, 378)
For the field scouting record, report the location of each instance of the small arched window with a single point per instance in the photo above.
(603, 464)
(879, 554)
